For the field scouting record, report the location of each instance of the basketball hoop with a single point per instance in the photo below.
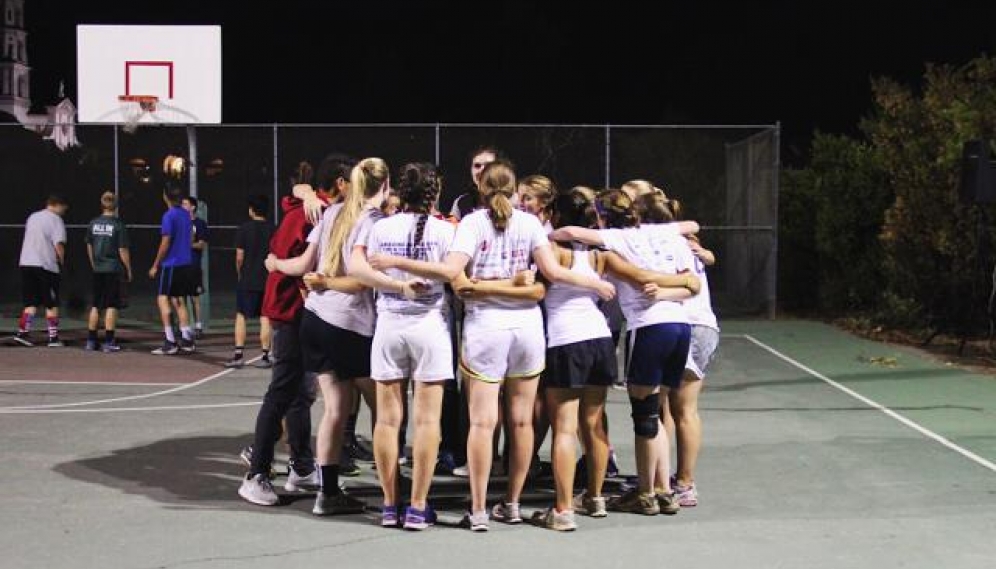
(134, 107)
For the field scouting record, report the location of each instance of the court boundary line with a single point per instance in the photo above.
(181, 387)
(130, 409)
(878, 406)
(48, 382)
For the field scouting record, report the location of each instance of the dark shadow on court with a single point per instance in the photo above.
(205, 472)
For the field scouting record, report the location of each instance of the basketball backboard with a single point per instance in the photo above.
(179, 65)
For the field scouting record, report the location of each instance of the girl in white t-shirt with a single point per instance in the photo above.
(503, 334)
(338, 320)
(659, 342)
(411, 340)
(681, 411)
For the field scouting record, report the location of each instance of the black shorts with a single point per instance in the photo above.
(177, 281)
(589, 363)
(198, 280)
(327, 348)
(39, 287)
(249, 302)
(106, 290)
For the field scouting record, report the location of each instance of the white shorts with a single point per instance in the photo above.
(416, 347)
(492, 355)
(701, 349)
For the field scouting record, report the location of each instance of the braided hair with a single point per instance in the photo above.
(419, 187)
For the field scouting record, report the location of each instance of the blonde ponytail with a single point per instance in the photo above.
(365, 180)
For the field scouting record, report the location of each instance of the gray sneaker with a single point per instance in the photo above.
(475, 521)
(258, 490)
(593, 506)
(668, 503)
(636, 502)
(552, 519)
(507, 512)
(308, 483)
(335, 504)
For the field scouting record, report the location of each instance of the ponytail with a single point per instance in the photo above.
(365, 181)
(497, 186)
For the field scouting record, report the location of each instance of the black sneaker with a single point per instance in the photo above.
(234, 363)
(329, 504)
(357, 451)
(23, 339)
(55, 342)
(347, 467)
(198, 334)
(187, 346)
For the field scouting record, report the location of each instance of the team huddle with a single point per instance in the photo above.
(365, 289)
(512, 291)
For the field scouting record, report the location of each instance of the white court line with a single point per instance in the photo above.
(181, 387)
(45, 382)
(875, 405)
(124, 409)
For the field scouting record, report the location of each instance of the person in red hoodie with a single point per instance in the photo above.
(289, 394)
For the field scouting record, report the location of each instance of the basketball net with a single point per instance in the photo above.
(134, 107)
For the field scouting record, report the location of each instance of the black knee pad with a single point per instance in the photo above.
(646, 415)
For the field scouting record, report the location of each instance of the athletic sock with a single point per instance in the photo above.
(53, 327)
(170, 336)
(330, 478)
(109, 336)
(24, 323)
(91, 336)
(239, 351)
(187, 333)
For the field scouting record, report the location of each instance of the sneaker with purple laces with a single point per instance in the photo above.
(688, 496)
(389, 516)
(416, 519)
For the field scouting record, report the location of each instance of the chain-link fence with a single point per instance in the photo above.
(725, 175)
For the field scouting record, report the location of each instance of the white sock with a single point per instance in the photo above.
(187, 332)
(170, 337)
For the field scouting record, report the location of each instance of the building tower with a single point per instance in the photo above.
(15, 75)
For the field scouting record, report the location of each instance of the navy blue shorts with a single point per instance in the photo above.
(176, 282)
(659, 354)
(249, 302)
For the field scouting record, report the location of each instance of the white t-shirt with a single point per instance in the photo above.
(394, 236)
(42, 232)
(654, 247)
(700, 306)
(499, 255)
(354, 312)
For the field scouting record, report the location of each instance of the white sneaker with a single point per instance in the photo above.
(297, 483)
(507, 512)
(462, 471)
(258, 490)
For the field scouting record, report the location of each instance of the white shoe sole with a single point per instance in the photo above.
(258, 501)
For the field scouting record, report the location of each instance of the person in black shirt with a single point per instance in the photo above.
(252, 243)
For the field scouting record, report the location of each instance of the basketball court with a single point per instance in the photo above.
(814, 454)
(813, 457)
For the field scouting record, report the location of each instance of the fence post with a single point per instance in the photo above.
(276, 179)
(773, 263)
(437, 144)
(608, 155)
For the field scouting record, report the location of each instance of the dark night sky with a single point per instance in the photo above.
(806, 64)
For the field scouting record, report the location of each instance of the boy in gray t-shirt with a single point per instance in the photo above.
(42, 253)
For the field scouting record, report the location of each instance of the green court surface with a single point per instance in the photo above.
(821, 450)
